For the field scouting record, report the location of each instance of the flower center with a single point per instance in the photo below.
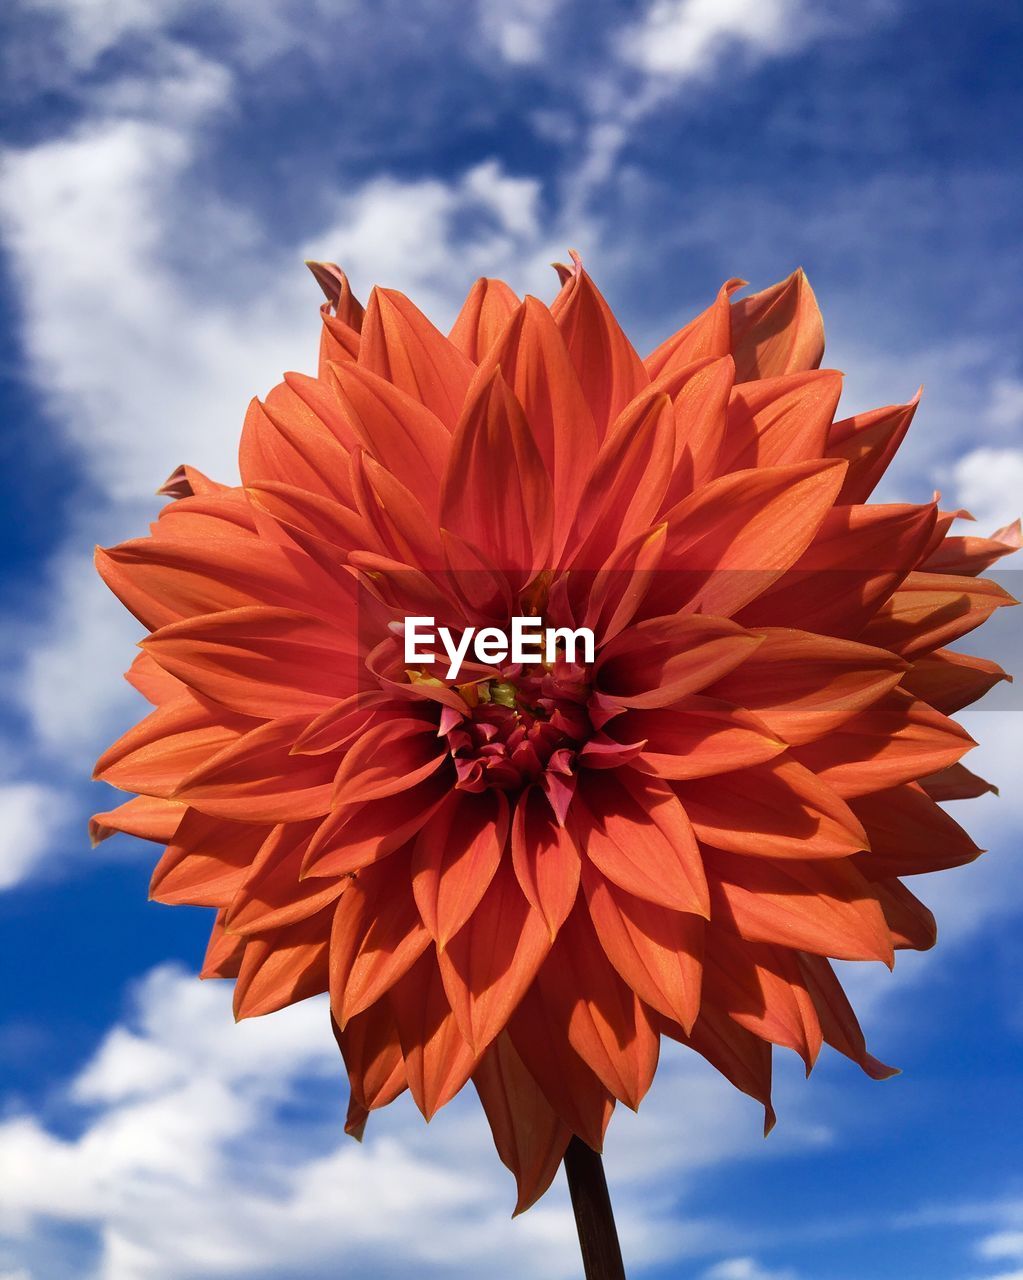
(528, 723)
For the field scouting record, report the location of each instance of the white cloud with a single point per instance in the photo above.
(518, 32)
(187, 1160)
(1003, 1244)
(989, 483)
(30, 815)
(745, 1268)
(150, 319)
(688, 38)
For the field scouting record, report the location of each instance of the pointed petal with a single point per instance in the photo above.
(838, 1022)
(224, 953)
(826, 906)
(628, 482)
(950, 680)
(699, 406)
(207, 861)
(487, 966)
(260, 661)
(273, 894)
(912, 925)
(437, 1059)
(661, 660)
(973, 555)
(352, 836)
(779, 421)
(909, 834)
(545, 860)
(283, 967)
(696, 737)
(733, 538)
(166, 579)
(709, 334)
(164, 747)
(372, 1053)
(283, 441)
(932, 609)
(956, 783)
(540, 1037)
(762, 988)
(609, 369)
(869, 442)
(896, 740)
(634, 830)
(533, 360)
(393, 755)
(607, 1024)
(376, 937)
(656, 951)
(456, 856)
(739, 1055)
(528, 1133)
(497, 493)
(400, 345)
(856, 560)
(778, 330)
(395, 428)
(483, 318)
(256, 779)
(803, 686)
(774, 810)
(145, 817)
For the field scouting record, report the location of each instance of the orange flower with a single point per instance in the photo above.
(528, 877)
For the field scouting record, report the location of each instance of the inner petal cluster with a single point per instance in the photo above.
(524, 727)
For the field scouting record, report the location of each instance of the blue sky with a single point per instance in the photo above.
(166, 169)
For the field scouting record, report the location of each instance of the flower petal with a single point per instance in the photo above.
(733, 538)
(529, 1135)
(609, 369)
(545, 859)
(456, 856)
(635, 831)
(778, 330)
(896, 740)
(869, 442)
(400, 345)
(488, 964)
(658, 952)
(607, 1024)
(483, 318)
(376, 936)
(497, 493)
(803, 686)
(826, 906)
(437, 1059)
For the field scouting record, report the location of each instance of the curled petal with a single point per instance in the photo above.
(610, 371)
(710, 334)
(483, 318)
(869, 442)
(778, 330)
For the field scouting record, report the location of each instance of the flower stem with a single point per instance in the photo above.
(594, 1220)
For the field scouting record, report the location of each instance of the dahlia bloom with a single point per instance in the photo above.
(528, 877)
